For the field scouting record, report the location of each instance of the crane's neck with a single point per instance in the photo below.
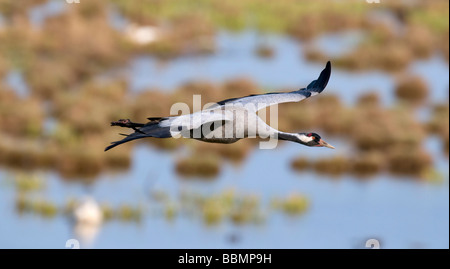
(295, 137)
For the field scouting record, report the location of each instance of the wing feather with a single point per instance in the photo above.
(259, 101)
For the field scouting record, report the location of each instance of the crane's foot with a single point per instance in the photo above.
(128, 124)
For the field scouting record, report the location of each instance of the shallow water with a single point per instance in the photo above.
(38, 14)
(344, 212)
(288, 69)
(16, 81)
(337, 44)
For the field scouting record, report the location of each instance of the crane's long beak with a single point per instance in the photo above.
(325, 144)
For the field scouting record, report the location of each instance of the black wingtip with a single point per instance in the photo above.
(319, 84)
(326, 72)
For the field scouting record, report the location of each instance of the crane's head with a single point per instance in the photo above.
(313, 140)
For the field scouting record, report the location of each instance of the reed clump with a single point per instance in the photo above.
(107, 211)
(235, 152)
(85, 163)
(205, 166)
(369, 100)
(368, 163)
(26, 182)
(185, 34)
(26, 153)
(314, 54)
(20, 117)
(245, 209)
(439, 120)
(265, 51)
(141, 108)
(401, 162)
(444, 45)
(208, 92)
(228, 205)
(293, 204)
(23, 204)
(334, 166)
(291, 119)
(408, 162)
(37, 206)
(239, 87)
(386, 127)
(127, 212)
(301, 163)
(213, 211)
(412, 89)
(421, 41)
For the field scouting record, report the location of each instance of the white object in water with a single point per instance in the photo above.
(88, 212)
(142, 34)
(88, 218)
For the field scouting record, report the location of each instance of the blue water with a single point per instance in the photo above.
(288, 69)
(344, 212)
(16, 81)
(38, 14)
(340, 43)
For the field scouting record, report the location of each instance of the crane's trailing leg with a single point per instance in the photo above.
(141, 130)
(128, 124)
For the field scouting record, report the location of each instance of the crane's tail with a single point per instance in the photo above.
(141, 130)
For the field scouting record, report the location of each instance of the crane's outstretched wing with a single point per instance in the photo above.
(259, 101)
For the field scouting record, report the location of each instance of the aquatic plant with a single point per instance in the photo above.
(107, 211)
(300, 163)
(22, 203)
(334, 166)
(20, 117)
(408, 162)
(412, 89)
(244, 209)
(294, 204)
(368, 163)
(265, 51)
(205, 166)
(439, 120)
(239, 87)
(170, 211)
(213, 211)
(44, 208)
(25, 182)
(432, 175)
(129, 213)
(371, 99)
(421, 40)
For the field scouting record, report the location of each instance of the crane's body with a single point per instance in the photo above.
(230, 120)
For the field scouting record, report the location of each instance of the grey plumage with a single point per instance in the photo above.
(229, 120)
(264, 100)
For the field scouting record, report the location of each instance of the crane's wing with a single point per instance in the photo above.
(259, 101)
